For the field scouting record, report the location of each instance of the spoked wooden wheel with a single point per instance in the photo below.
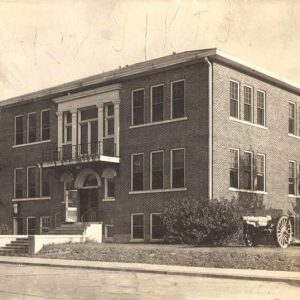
(283, 232)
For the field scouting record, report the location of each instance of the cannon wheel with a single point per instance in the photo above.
(283, 232)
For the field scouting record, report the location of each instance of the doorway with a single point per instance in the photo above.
(88, 205)
(18, 225)
(31, 225)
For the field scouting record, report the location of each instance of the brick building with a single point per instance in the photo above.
(118, 146)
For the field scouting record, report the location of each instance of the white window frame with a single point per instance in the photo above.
(136, 90)
(108, 117)
(16, 129)
(131, 171)
(163, 169)
(151, 238)
(27, 180)
(265, 175)
(265, 107)
(251, 169)
(41, 223)
(137, 214)
(238, 152)
(106, 198)
(151, 102)
(239, 99)
(41, 122)
(295, 177)
(31, 113)
(295, 118)
(184, 99)
(252, 104)
(15, 182)
(171, 167)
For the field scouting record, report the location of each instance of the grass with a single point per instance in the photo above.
(263, 258)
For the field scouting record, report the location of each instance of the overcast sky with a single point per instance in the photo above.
(45, 43)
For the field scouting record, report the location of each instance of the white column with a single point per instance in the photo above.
(74, 133)
(117, 127)
(59, 128)
(100, 127)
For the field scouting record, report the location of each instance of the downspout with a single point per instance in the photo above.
(210, 130)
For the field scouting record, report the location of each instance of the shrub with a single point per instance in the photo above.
(198, 222)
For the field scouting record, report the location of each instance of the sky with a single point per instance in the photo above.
(44, 43)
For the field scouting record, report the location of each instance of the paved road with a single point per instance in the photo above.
(34, 282)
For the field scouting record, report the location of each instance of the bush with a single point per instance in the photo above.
(200, 222)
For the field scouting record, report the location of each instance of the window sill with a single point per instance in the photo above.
(29, 144)
(30, 199)
(137, 240)
(157, 191)
(108, 199)
(248, 123)
(108, 137)
(294, 136)
(293, 196)
(247, 191)
(158, 123)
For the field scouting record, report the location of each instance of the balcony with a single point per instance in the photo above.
(88, 152)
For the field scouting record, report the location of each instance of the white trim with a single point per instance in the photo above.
(151, 101)
(41, 123)
(30, 199)
(30, 144)
(131, 170)
(131, 235)
(265, 107)
(252, 102)
(265, 175)
(158, 191)
(30, 217)
(184, 98)
(132, 91)
(295, 118)
(15, 176)
(247, 191)
(31, 113)
(110, 199)
(151, 239)
(238, 168)
(171, 167)
(248, 123)
(159, 122)
(163, 169)
(238, 100)
(251, 168)
(15, 137)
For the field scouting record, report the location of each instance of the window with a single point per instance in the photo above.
(247, 170)
(177, 167)
(109, 232)
(137, 177)
(19, 183)
(248, 103)
(45, 184)
(137, 226)
(157, 170)
(109, 188)
(45, 125)
(234, 99)
(156, 226)
(138, 107)
(234, 168)
(261, 108)
(292, 178)
(292, 119)
(178, 99)
(157, 102)
(32, 130)
(31, 182)
(260, 172)
(67, 127)
(19, 130)
(109, 119)
(45, 224)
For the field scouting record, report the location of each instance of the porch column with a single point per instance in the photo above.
(59, 128)
(117, 127)
(100, 127)
(74, 133)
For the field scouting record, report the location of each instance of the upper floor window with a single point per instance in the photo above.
(178, 99)
(157, 103)
(292, 178)
(234, 99)
(248, 103)
(157, 170)
(137, 169)
(67, 127)
(234, 168)
(45, 184)
(247, 170)
(178, 168)
(260, 172)
(109, 119)
(19, 183)
(32, 128)
(261, 103)
(19, 130)
(138, 113)
(31, 182)
(45, 124)
(292, 118)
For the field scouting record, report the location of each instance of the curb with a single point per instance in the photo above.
(241, 274)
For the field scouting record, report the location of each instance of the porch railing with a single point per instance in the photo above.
(59, 218)
(91, 215)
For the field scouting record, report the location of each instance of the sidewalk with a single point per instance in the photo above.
(245, 274)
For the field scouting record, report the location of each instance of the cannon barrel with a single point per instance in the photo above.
(257, 219)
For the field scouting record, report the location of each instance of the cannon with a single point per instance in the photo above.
(282, 230)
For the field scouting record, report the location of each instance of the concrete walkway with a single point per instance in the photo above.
(246, 274)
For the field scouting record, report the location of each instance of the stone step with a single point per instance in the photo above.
(19, 243)
(10, 246)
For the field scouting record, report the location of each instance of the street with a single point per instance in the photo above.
(35, 282)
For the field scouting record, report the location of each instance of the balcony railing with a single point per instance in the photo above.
(70, 152)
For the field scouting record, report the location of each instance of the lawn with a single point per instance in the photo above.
(264, 258)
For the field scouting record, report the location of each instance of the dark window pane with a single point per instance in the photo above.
(260, 173)
(260, 108)
(157, 170)
(19, 130)
(32, 133)
(138, 173)
(234, 99)
(177, 168)
(91, 113)
(138, 107)
(234, 179)
(157, 227)
(178, 99)
(247, 171)
(234, 171)
(110, 188)
(45, 183)
(31, 183)
(157, 104)
(19, 183)
(138, 226)
(45, 125)
(110, 126)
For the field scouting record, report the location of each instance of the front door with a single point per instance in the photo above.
(88, 205)
(18, 225)
(31, 225)
(71, 206)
